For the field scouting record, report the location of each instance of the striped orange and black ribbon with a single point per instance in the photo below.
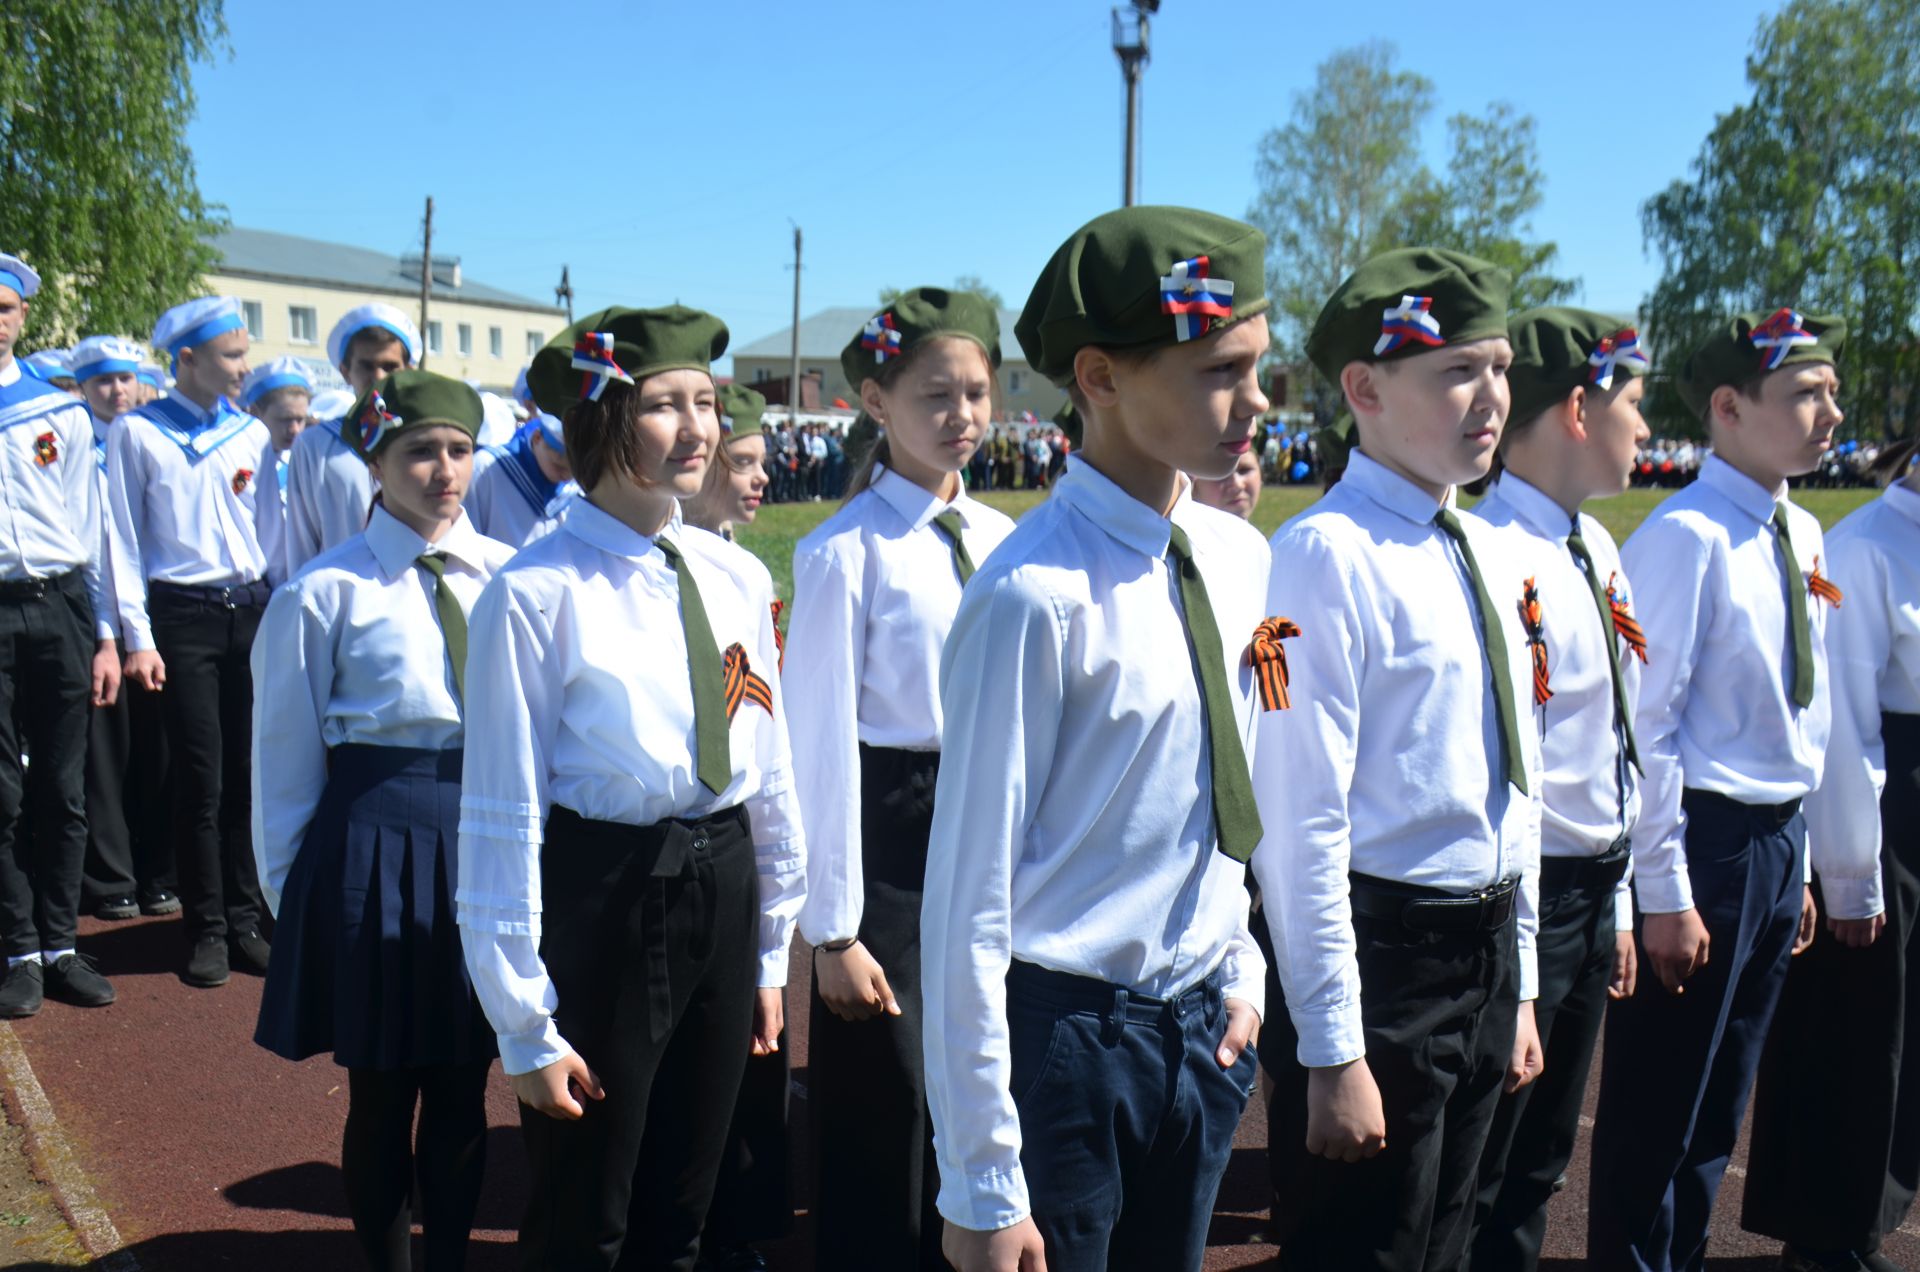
(1625, 625)
(1268, 657)
(741, 684)
(1534, 621)
(779, 637)
(1823, 587)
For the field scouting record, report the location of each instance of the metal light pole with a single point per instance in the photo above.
(1130, 45)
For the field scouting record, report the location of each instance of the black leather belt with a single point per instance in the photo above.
(35, 589)
(1601, 870)
(234, 596)
(1432, 909)
(1769, 816)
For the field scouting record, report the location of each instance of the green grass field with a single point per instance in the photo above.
(772, 535)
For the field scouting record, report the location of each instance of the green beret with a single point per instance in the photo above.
(740, 411)
(1408, 301)
(616, 344)
(1557, 350)
(1140, 278)
(1748, 346)
(913, 319)
(409, 400)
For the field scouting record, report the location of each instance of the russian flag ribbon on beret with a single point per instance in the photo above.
(1195, 300)
(880, 338)
(374, 422)
(593, 354)
(1778, 335)
(1410, 320)
(1621, 349)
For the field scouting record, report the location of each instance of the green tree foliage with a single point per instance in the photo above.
(1343, 180)
(1809, 196)
(97, 186)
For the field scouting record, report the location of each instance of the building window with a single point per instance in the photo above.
(494, 343)
(1015, 381)
(759, 375)
(433, 337)
(256, 319)
(464, 333)
(535, 342)
(302, 326)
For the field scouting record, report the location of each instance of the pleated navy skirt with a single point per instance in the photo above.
(367, 961)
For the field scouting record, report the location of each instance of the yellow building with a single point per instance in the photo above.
(294, 289)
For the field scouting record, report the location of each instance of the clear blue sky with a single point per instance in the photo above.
(659, 149)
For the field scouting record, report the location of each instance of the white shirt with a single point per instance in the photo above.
(1716, 696)
(1073, 821)
(501, 503)
(270, 511)
(1390, 762)
(577, 690)
(108, 616)
(874, 593)
(351, 651)
(1590, 793)
(180, 514)
(329, 490)
(49, 499)
(1873, 652)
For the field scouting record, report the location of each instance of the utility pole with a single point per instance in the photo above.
(426, 282)
(1130, 45)
(564, 292)
(793, 363)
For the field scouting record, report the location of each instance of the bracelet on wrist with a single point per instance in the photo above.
(836, 947)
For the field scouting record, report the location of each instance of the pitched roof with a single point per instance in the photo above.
(824, 334)
(264, 254)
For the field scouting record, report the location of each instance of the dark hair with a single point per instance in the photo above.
(376, 338)
(604, 437)
(1125, 355)
(880, 452)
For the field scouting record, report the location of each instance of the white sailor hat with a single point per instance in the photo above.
(18, 276)
(522, 394)
(49, 364)
(280, 373)
(196, 322)
(106, 355)
(154, 376)
(551, 429)
(374, 315)
(330, 404)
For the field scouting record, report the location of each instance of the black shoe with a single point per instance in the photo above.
(1794, 1259)
(731, 1258)
(21, 992)
(160, 902)
(207, 964)
(77, 980)
(117, 908)
(249, 952)
(1878, 1262)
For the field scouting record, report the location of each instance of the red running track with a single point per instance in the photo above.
(210, 1153)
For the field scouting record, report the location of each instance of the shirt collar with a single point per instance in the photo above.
(1392, 491)
(396, 545)
(199, 413)
(1534, 506)
(10, 374)
(600, 529)
(1740, 490)
(1903, 500)
(1091, 493)
(916, 505)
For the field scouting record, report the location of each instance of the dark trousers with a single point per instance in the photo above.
(208, 707)
(1126, 1117)
(1674, 1083)
(867, 1086)
(1439, 1013)
(650, 935)
(753, 1197)
(129, 851)
(1835, 1156)
(1533, 1131)
(46, 687)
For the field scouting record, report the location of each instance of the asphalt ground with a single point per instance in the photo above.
(210, 1153)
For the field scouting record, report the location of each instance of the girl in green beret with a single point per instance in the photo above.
(736, 484)
(875, 590)
(358, 724)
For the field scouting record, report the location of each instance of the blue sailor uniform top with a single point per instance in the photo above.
(329, 491)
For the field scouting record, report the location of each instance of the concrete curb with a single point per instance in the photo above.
(55, 1161)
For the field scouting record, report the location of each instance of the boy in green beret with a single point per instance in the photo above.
(1575, 427)
(1092, 992)
(1732, 730)
(1401, 792)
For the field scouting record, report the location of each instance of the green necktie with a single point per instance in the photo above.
(715, 755)
(1494, 640)
(453, 619)
(949, 523)
(1621, 711)
(1236, 816)
(1799, 625)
